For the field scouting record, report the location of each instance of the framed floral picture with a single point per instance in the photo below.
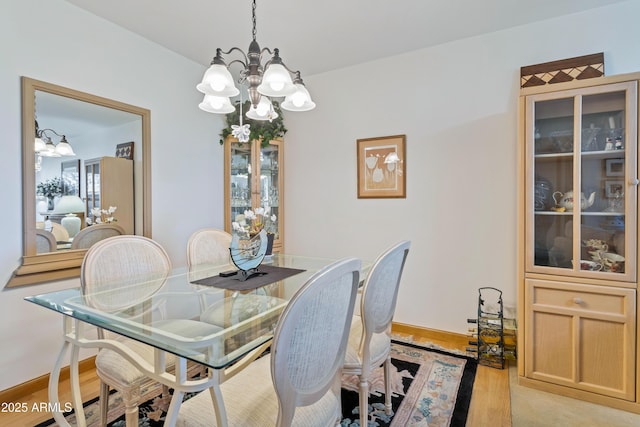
(381, 167)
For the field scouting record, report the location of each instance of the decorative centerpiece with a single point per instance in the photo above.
(50, 189)
(252, 240)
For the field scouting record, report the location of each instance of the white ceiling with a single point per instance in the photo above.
(319, 36)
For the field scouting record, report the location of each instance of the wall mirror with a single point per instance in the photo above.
(86, 173)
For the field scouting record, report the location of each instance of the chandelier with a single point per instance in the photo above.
(271, 80)
(46, 148)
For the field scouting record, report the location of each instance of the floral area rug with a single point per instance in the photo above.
(430, 387)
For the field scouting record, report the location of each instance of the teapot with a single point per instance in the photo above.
(566, 200)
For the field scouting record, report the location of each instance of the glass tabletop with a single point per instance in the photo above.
(207, 324)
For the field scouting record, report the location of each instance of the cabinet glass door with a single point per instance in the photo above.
(241, 172)
(269, 180)
(581, 189)
(92, 186)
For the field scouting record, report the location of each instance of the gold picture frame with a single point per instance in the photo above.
(382, 167)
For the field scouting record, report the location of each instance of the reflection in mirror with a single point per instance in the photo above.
(69, 188)
(85, 163)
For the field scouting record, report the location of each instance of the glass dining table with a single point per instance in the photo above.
(205, 315)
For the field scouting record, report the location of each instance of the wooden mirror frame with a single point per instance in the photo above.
(39, 268)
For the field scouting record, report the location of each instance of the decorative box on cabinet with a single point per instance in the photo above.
(578, 222)
(254, 177)
(109, 182)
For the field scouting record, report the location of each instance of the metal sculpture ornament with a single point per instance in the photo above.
(247, 255)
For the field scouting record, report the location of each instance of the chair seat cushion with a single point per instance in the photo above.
(250, 400)
(238, 308)
(116, 367)
(112, 364)
(380, 346)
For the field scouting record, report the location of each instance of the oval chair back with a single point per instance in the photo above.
(121, 271)
(88, 236)
(311, 337)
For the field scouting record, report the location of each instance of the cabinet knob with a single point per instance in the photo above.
(578, 300)
(634, 181)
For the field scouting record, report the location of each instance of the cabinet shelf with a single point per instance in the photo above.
(570, 213)
(600, 154)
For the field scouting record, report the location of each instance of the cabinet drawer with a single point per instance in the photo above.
(582, 297)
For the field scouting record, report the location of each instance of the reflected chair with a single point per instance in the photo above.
(61, 234)
(109, 269)
(210, 246)
(95, 233)
(298, 383)
(45, 241)
(370, 336)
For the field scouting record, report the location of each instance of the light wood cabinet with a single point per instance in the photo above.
(581, 336)
(578, 234)
(109, 182)
(254, 177)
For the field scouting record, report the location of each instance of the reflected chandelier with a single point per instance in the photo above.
(46, 148)
(271, 80)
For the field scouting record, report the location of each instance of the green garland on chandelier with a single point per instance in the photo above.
(259, 129)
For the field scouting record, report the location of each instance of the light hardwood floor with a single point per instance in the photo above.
(490, 402)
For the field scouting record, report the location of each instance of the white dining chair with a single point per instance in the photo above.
(210, 246)
(370, 337)
(298, 383)
(45, 241)
(88, 236)
(119, 273)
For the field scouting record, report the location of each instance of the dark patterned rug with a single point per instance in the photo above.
(430, 387)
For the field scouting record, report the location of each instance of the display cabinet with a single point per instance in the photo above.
(578, 240)
(253, 177)
(109, 182)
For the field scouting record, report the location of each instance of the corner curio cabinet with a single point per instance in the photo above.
(253, 177)
(578, 240)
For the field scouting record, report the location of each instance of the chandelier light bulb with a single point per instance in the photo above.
(263, 111)
(300, 100)
(217, 81)
(276, 86)
(64, 148)
(216, 104)
(276, 81)
(40, 145)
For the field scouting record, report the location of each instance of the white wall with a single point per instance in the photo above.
(54, 41)
(457, 105)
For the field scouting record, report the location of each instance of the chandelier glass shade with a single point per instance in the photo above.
(45, 147)
(273, 79)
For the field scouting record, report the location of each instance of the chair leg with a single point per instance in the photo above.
(131, 399)
(387, 385)
(364, 401)
(104, 403)
(131, 415)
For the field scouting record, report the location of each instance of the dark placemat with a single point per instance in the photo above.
(269, 274)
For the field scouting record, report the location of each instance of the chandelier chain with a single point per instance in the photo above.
(253, 14)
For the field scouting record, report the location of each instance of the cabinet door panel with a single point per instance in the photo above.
(602, 355)
(551, 350)
(581, 336)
